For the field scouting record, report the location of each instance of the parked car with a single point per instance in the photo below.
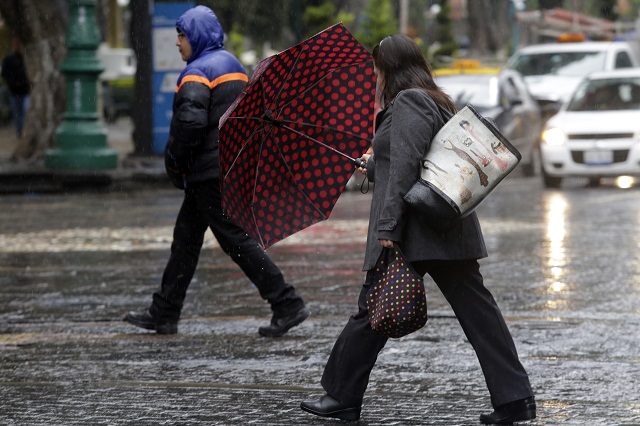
(552, 71)
(117, 81)
(117, 98)
(503, 97)
(597, 133)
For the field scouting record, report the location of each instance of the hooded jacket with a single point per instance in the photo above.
(207, 86)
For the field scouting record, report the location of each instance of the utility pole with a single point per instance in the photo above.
(404, 16)
(143, 88)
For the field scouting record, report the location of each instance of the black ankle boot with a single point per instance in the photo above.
(145, 320)
(281, 324)
(522, 409)
(327, 406)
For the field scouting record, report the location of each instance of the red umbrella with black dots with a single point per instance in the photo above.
(293, 138)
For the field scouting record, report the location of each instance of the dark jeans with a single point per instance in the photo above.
(354, 354)
(202, 209)
(19, 105)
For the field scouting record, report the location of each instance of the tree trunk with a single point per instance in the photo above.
(41, 26)
(489, 26)
(143, 91)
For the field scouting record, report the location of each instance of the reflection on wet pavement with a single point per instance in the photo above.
(564, 267)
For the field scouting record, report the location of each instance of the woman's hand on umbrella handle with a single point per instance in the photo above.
(362, 163)
(386, 243)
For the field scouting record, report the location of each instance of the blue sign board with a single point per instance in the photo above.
(167, 65)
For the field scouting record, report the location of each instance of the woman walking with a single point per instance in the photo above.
(414, 110)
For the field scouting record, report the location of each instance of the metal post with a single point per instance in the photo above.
(404, 16)
(81, 139)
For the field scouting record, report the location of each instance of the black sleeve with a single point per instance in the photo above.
(188, 125)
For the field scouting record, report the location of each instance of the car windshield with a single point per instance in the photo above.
(478, 90)
(606, 95)
(569, 64)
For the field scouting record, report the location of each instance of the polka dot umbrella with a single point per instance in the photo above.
(293, 138)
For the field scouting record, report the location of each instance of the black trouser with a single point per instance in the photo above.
(202, 209)
(354, 354)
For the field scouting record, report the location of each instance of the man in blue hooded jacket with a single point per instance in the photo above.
(210, 82)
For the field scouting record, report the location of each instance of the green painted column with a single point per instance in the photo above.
(81, 138)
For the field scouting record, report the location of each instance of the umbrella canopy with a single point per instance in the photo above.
(289, 142)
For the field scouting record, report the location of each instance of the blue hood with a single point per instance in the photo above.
(203, 30)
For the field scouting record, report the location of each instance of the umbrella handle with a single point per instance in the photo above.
(360, 163)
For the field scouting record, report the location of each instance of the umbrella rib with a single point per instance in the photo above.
(291, 68)
(244, 143)
(253, 196)
(317, 126)
(297, 132)
(320, 212)
(325, 76)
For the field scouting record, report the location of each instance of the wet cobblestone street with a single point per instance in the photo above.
(564, 267)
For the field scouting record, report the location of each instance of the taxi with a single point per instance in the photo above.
(552, 71)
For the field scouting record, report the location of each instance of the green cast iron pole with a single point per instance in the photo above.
(81, 139)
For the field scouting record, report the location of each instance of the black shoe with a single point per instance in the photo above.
(327, 406)
(280, 325)
(145, 320)
(522, 409)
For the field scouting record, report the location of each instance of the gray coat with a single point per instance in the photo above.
(404, 131)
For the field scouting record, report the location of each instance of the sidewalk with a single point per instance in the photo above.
(35, 177)
(132, 171)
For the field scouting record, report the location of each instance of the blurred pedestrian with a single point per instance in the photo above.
(210, 82)
(414, 109)
(14, 74)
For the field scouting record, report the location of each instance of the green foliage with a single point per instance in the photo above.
(235, 41)
(317, 18)
(608, 9)
(346, 18)
(259, 20)
(378, 22)
(635, 8)
(444, 36)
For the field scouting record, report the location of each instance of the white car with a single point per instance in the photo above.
(552, 71)
(597, 132)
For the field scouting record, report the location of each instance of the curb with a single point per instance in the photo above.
(35, 178)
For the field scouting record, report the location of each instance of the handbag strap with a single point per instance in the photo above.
(446, 115)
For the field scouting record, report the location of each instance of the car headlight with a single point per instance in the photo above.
(554, 136)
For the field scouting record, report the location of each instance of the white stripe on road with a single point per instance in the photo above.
(159, 238)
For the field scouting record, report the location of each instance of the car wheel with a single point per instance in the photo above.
(550, 181)
(594, 182)
(533, 167)
(110, 114)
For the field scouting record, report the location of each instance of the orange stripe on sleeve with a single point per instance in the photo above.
(229, 77)
(211, 84)
(194, 78)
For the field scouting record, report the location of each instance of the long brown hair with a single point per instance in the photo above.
(403, 66)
